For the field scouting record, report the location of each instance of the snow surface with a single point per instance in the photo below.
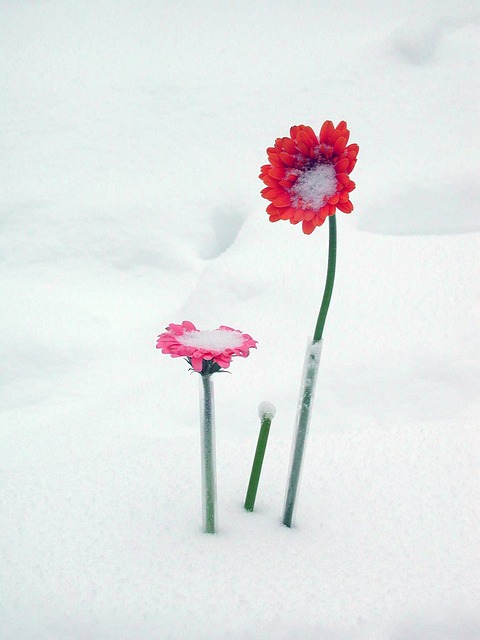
(132, 135)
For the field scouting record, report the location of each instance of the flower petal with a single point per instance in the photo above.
(339, 146)
(289, 146)
(196, 364)
(303, 148)
(277, 172)
(307, 227)
(346, 207)
(287, 159)
(326, 131)
(352, 150)
(283, 200)
(341, 165)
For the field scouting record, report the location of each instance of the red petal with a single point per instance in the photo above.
(352, 150)
(297, 216)
(339, 146)
(342, 165)
(346, 207)
(311, 134)
(324, 211)
(277, 172)
(307, 227)
(275, 160)
(320, 219)
(282, 201)
(287, 159)
(286, 213)
(289, 146)
(270, 182)
(326, 131)
(302, 136)
(342, 126)
(270, 193)
(303, 148)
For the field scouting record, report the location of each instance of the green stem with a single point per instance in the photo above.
(258, 461)
(327, 293)
(208, 455)
(307, 389)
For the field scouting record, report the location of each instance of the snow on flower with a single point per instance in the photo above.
(206, 351)
(308, 175)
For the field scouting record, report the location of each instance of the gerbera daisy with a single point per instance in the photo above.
(308, 175)
(206, 351)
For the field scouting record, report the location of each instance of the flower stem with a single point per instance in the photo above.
(307, 389)
(266, 421)
(327, 293)
(209, 491)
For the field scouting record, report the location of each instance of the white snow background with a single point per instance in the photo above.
(132, 134)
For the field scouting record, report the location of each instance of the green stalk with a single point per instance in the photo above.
(208, 455)
(327, 293)
(266, 421)
(307, 390)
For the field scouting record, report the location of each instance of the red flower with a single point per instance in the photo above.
(206, 351)
(307, 178)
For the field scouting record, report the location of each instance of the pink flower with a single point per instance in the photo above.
(206, 351)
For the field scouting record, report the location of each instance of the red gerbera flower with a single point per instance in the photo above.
(206, 351)
(307, 178)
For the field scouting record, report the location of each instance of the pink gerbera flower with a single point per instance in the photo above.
(308, 175)
(206, 351)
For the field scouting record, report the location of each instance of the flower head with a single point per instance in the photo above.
(307, 178)
(206, 351)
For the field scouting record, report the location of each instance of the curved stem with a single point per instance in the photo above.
(327, 293)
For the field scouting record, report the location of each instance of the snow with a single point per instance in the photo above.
(216, 340)
(132, 136)
(266, 410)
(314, 186)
